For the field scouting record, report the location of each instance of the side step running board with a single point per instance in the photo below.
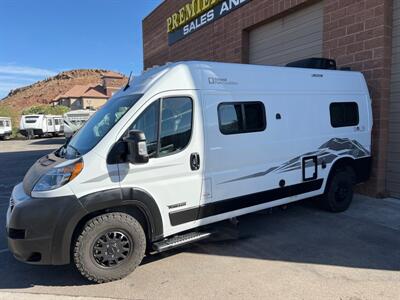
(179, 240)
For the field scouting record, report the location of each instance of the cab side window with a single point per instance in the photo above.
(176, 124)
(148, 123)
(167, 125)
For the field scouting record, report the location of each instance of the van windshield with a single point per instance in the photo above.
(99, 125)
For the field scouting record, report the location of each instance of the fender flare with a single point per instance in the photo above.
(131, 197)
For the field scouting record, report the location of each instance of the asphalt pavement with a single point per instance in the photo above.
(297, 253)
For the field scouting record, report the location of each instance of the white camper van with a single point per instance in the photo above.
(185, 145)
(41, 125)
(5, 128)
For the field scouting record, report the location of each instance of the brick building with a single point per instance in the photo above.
(361, 34)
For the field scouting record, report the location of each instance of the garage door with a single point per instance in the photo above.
(294, 37)
(393, 167)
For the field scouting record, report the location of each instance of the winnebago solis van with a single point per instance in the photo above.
(185, 145)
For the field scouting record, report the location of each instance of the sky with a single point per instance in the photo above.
(40, 38)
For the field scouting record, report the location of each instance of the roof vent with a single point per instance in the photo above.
(314, 63)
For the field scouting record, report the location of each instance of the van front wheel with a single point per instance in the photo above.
(339, 192)
(109, 247)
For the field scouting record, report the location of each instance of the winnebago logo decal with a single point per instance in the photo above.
(216, 80)
(326, 153)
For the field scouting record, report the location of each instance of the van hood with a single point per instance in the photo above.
(38, 169)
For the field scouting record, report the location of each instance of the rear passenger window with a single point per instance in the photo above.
(241, 117)
(344, 114)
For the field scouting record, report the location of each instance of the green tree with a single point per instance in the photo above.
(46, 110)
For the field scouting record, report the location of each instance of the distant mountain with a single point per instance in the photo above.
(44, 91)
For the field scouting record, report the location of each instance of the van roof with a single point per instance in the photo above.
(204, 75)
(38, 115)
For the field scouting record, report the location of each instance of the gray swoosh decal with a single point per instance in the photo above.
(327, 153)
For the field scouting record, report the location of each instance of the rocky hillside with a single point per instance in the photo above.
(43, 92)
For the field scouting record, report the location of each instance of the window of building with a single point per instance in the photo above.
(174, 133)
(344, 114)
(241, 117)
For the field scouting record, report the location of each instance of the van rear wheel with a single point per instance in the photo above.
(109, 247)
(339, 192)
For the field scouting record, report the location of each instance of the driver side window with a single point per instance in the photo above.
(175, 131)
(148, 123)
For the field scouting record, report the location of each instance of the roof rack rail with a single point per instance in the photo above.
(314, 63)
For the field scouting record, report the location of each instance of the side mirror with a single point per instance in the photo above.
(137, 148)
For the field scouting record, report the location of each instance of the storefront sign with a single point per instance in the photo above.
(197, 14)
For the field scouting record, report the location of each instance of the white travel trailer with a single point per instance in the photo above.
(5, 128)
(185, 145)
(74, 120)
(41, 125)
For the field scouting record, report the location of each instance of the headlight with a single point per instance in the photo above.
(57, 177)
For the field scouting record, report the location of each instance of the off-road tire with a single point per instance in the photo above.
(93, 229)
(339, 191)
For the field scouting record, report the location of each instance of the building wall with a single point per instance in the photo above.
(357, 33)
(93, 102)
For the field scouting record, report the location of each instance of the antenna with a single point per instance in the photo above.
(129, 80)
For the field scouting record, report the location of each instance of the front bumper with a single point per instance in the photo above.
(39, 230)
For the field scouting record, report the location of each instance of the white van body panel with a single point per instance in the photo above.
(232, 166)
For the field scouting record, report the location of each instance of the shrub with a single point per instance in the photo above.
(46, 110)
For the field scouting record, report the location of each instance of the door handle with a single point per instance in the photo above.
(194, 161)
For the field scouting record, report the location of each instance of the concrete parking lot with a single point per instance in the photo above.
(297, 253)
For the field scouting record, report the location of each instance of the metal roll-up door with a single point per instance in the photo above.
(393, 165)
(293, 37)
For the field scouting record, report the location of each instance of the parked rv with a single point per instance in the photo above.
(185, 145)
(5, 128)
(41, 125)
(74, 120)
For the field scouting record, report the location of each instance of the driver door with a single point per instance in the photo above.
(171, 135)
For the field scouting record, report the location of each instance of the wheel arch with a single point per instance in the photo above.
(360, 167)
(135, 202)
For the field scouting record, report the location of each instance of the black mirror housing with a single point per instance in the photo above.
(137, 148)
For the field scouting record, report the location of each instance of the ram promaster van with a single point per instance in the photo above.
(41, 125)
(185, 145)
